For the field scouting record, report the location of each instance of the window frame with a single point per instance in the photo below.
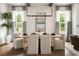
(15, 22)
(67, 18)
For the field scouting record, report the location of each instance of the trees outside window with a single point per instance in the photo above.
(63, 17)
(19, 23)
(18, 18)
(62, 23)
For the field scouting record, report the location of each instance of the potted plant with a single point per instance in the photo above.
(8, 24)
(7, 16)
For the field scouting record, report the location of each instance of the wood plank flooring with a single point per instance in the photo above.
(8, 50)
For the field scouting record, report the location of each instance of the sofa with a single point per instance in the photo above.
(75, 41)
(18, 43)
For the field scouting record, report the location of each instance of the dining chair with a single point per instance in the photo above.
(33, 44)
(45, 44)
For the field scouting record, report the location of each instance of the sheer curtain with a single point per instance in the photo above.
(21, 11)
(66, 10)
(3, 33)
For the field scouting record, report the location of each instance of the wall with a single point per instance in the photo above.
(30, 26)
(50, 21)
(75, 18)
(3, 8)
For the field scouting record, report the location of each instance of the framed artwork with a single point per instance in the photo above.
(40, 24)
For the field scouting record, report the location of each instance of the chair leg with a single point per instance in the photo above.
(52, 48)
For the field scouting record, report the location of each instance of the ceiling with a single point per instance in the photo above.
(17, 4)
(38, 4)
(62, 4)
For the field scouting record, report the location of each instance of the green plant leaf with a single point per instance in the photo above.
(62, 18)
(19, 18)
(7, 15)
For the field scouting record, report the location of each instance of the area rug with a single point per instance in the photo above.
(69, 46)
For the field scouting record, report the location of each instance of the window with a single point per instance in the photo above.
(18, 18)
(19, 23)
(63, 17)
(62, 23)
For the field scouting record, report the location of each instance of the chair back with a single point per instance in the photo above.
(33, 44)
(45, 44)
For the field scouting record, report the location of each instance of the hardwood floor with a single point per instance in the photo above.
(8, 50)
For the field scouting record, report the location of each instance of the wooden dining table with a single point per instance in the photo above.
(25, 41)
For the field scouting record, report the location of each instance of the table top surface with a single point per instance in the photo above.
(54, 36)
(23, 36)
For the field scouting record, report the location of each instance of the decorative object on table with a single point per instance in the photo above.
(25, 34)
(45, 33)
(53, 34)
(33, 33)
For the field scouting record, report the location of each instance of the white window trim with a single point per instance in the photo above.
(68, 16)
(14, 19)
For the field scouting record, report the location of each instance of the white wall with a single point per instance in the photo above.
(50, 21)
(49, 25)
(3, 8)
(54, 18)
(30, 26)
(75, 18)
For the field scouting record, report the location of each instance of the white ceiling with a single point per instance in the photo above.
(32, 4)
(63, 4)
(18, 4)
(39, 4)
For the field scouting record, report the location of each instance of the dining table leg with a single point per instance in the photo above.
(39, 46)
